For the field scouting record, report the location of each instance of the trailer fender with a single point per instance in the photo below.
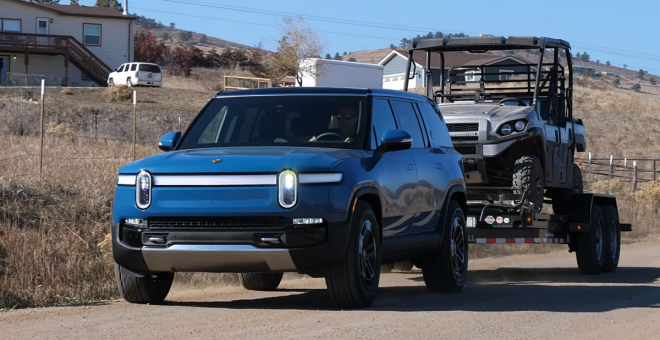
(579, 217)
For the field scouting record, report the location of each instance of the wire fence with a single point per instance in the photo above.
(634, 171)
(50, 129)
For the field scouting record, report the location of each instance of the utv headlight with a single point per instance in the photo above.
(520, 125)
(506, 129)
(143, 190)
(287, 191)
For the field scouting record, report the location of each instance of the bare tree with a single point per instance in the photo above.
(298, 44)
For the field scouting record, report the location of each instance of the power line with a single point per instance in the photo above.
(313, 17)
(261, 24)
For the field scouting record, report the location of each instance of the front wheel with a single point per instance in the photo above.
(612, 238)
(354, 283)
(528, 175)
(147, 289)
(445, 271)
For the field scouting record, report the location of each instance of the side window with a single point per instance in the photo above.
(383, 119)
(437, 128)
(133, 67)
(120, 69)
(408, 122)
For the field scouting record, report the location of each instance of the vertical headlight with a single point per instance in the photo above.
(287, 189)
(143, 190)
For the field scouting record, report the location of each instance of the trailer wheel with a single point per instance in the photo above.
(612, 238)
(528, 173)
(590, 246)
(403, 266)
(387, 267)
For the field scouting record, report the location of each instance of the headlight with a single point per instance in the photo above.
(520, 125)
(287, 191)
(506, 129)
(143, 190)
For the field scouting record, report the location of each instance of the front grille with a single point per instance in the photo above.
(216, 222)
(463, 127)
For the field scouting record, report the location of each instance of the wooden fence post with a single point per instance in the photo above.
(41, 129)
(134, 120)
(634, 176)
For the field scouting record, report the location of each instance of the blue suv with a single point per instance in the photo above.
(328, 182)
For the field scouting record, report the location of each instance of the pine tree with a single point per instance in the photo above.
(172, 25)
(608, 63)
(108, 3)
(337, 56)
(327, 56)
(73, 3)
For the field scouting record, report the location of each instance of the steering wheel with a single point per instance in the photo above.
(512, 99)
(329, 133)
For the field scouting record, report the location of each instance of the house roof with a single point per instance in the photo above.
(84, 11)
(454, 59)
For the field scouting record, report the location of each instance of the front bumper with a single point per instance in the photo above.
(301, 249)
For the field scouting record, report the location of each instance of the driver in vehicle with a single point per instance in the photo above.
(347, 116)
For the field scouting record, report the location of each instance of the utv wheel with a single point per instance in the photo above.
(591, 246)
(612, 238)
(260, 281)
(354, 283)
(528, 174)
(445, 271)
(148, 289)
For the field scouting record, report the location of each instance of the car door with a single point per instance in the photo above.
(429, 166)
(559, 143)
(399, 175)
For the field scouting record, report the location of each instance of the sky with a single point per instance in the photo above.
(622, 32)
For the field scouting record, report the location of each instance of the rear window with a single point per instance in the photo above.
(149, 68)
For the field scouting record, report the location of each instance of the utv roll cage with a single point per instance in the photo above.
(541, 83)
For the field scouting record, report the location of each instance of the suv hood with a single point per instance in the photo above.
(474, 112)
(241, 159)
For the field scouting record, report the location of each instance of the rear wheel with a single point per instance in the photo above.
(354, 283)
(445, 271)
(260, 281)
(147, 289)
(528, 175)
(590, 246)
(612, 238)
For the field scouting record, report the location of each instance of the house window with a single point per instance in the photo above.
(92, 34)
(10, 25)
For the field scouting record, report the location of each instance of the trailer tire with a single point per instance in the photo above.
(612, 238)
(403, 266)
(528, 173)
(260, 281)
(439, 268)
(590, 246)
(387, 267)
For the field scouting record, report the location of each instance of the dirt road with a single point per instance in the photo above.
(522, 297)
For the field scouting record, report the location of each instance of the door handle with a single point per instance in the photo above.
(410, 167)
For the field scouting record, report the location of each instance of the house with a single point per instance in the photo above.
(75, 45)
(470, 66)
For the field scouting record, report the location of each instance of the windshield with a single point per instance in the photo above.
(335, 121)
(149, 68)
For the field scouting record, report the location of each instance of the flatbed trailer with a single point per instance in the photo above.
(591, 229)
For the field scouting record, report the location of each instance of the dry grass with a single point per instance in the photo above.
(53, 246)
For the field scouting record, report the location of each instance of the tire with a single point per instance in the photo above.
(528, 173)
(354, 282)
(403, 266)
(445, 271)
(147, 289)
(260, 281)
(590, 246)
(612, 238)
(129, 83)
(111, 83)
(562, 199)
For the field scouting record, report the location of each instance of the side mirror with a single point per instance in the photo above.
(169, 141)
(394, 140)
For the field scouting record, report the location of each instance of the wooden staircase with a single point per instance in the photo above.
(68, 46)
